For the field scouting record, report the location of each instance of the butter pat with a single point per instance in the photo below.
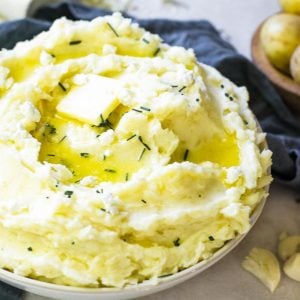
(95, 98)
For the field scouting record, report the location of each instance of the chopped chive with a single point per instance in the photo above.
(141, 140)
(174, 86)
(77, 181)
(156, 51)
(110, 170)
(73, 243)
(104, 123)
(144, 201)
(197, 100)
(103, 209)
(97, 191)
(50, 154)
(142, 154)
(231, 98)
(165, 275)
(177, 242)
(184, 87)
(69, 193)
(98, 135)
(199, 195)
(137, 110)
(29, 249)
(131, 137)
(104, 157)
(126, 177)
(52, 129)
(145, 108)
(211, 238)
(222, 86)
(145, 41)
(72, 43)
(112, 29)
(226, 95)
(186, 154)
(62, 139)
(62, 86)
(52, 55)
(84, 154)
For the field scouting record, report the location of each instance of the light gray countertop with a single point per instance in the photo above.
(226, 279)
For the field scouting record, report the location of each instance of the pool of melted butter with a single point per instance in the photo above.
(119, 167)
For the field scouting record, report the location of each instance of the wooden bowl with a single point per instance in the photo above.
(287, 88)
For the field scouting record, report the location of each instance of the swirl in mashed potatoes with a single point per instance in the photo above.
(122, 159)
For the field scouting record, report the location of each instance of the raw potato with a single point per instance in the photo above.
(295, 65)
(288, 246)
(264, 265)
(290, 6)
(292, 267)
(280, 35)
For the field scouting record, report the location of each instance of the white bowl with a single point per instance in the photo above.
(129, 292)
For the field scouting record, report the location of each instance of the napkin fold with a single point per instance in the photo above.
(281, 126)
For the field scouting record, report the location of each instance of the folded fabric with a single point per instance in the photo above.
(283, 129)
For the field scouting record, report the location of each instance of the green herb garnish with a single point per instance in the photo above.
(141, 140)
(186, 154)
(137, 110)
(110, 170)
(112, 29)
(145, 41)
(144, 201)
(30, 249)
(50, 154)
(142, 154)
(51, 128)
(62, 86)
(177, 242)
(72, 43)
(103, 209)
(184, 87)
(211, 238)
(145, 108)
(126, 177)
(69, 193)
(130, 138)
(84, 154)
(62, 139)
(105, 123)
(156, 51)
(197, 100)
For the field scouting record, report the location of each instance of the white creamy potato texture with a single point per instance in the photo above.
(122, 159)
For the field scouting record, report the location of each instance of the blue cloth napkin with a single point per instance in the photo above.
(283, 129)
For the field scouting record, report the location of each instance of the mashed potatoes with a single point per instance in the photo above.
(122, 158)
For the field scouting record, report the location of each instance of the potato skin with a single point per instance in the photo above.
(295, 65)
(290, 6)
(280, 35)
